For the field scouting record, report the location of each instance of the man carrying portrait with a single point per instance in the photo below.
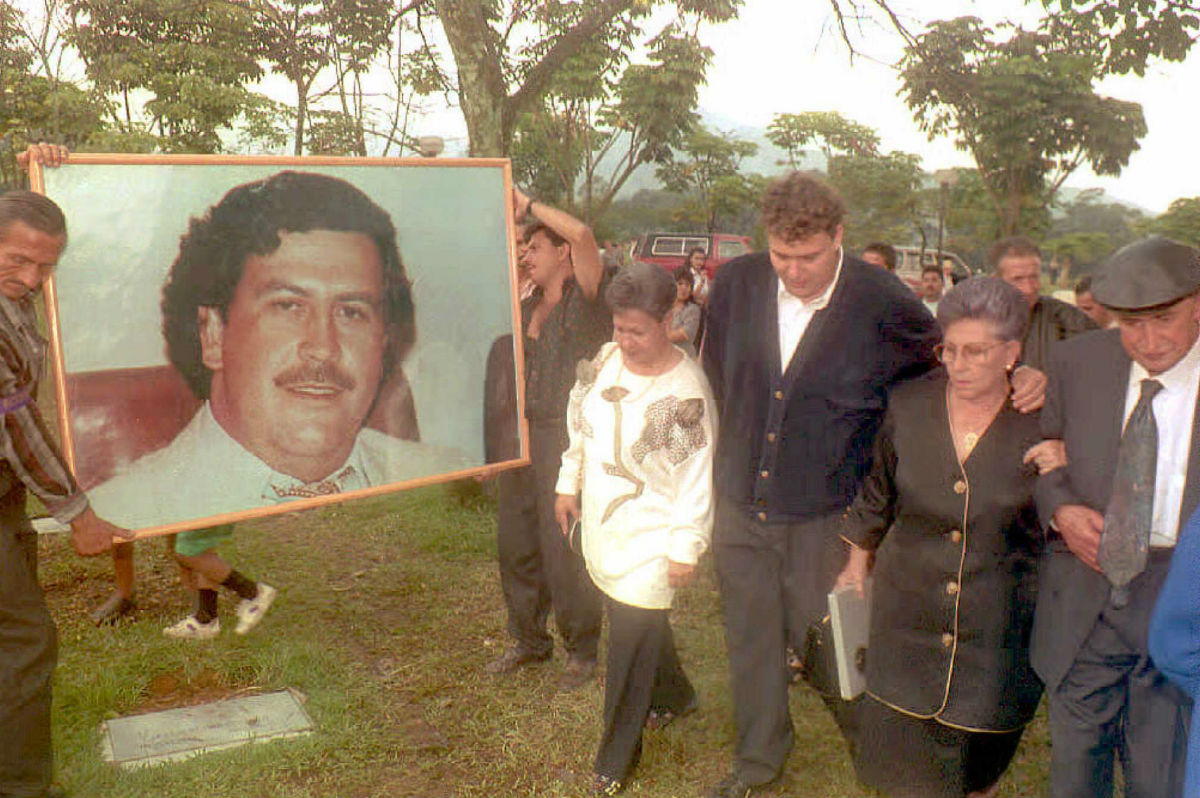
(33, 234)
(563, 321)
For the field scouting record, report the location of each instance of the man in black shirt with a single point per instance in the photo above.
(1018, 262)
(564, 321)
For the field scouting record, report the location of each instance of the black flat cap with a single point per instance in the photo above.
(1152, 272)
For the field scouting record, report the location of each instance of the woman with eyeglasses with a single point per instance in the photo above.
(946, 514)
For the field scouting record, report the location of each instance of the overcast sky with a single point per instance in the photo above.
(784, 56)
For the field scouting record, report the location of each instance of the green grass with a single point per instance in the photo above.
(388, 610)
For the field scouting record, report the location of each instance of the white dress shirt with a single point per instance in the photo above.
(1174, 409)
(204, 472)
(795, 314)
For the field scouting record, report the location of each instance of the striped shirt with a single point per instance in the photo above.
(28, 452)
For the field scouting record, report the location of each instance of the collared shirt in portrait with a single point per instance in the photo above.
(30, 455)
(1174, 411)
(795, 314)
(572, 331)
(205, 472)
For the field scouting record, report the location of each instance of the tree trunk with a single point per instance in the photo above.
(481, 89)
(301, 114)
(489, 111)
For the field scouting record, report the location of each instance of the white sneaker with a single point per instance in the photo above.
(251, 611)
(191, 629)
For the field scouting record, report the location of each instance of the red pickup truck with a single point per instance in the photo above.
(670, 250)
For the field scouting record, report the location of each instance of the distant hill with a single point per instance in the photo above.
(770, 161)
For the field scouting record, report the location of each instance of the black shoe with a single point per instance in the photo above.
(514, 659)
(662, 717)
(732, 786)
(605, 785)
(113, 609)
(576, 673)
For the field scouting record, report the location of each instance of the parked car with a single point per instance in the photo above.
(670, 250)
(910, 262)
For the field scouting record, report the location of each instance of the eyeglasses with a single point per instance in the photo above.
(972, 354)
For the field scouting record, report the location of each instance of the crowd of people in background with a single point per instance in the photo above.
(1016, 476)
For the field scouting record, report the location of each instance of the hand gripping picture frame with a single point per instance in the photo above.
(233, 337)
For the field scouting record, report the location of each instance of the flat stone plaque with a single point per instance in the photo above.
(176, 734)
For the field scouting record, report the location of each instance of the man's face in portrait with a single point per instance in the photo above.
(805, 265)
(297, 362)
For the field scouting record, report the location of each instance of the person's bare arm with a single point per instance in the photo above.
(585, 253)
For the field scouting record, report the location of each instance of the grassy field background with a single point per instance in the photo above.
(388, 610)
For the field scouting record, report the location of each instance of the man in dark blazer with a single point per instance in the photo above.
(1089, 643)
(801, 346)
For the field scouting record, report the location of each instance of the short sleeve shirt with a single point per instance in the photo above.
(574, 331)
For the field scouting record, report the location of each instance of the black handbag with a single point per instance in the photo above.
(818, 665)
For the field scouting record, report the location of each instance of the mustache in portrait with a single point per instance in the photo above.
(316, 374)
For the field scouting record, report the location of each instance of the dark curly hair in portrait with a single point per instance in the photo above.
(248, 221)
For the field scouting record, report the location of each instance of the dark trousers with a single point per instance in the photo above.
(28, 652)
(775, 581)
(1114, 702)
(900, 755)
(642, 673)
(537, 568)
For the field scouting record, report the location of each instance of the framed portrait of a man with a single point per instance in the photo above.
(236, 337)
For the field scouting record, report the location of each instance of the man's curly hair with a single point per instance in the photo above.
(799, 205)
(248, 221)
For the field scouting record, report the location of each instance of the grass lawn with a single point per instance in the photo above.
(388, 609)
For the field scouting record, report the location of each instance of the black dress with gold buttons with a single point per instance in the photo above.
(954, 581)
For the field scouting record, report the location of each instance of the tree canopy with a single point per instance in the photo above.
(1023, 104)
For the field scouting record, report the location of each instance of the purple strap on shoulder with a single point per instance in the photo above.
(13, 403)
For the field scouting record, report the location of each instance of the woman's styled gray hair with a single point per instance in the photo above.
(987, 298)
(642, 286)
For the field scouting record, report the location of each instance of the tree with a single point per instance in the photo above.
(606, 118)
(502, 74)
(1024, 107)
(304, 38)
(709, 175)
(1181, 221)
(193, 59)
(831, 132)
(883, 195)
(1127, 34)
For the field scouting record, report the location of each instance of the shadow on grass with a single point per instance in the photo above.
(388, 610)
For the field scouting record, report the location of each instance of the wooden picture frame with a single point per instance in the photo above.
(161, 447)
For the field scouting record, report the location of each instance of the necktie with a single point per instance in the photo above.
(1125, 540)
(295, 489)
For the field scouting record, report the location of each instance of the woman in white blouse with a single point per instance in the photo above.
(641, 425)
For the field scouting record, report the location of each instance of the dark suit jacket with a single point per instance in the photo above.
(1085, 402)
(956, 567)
(795, 445)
